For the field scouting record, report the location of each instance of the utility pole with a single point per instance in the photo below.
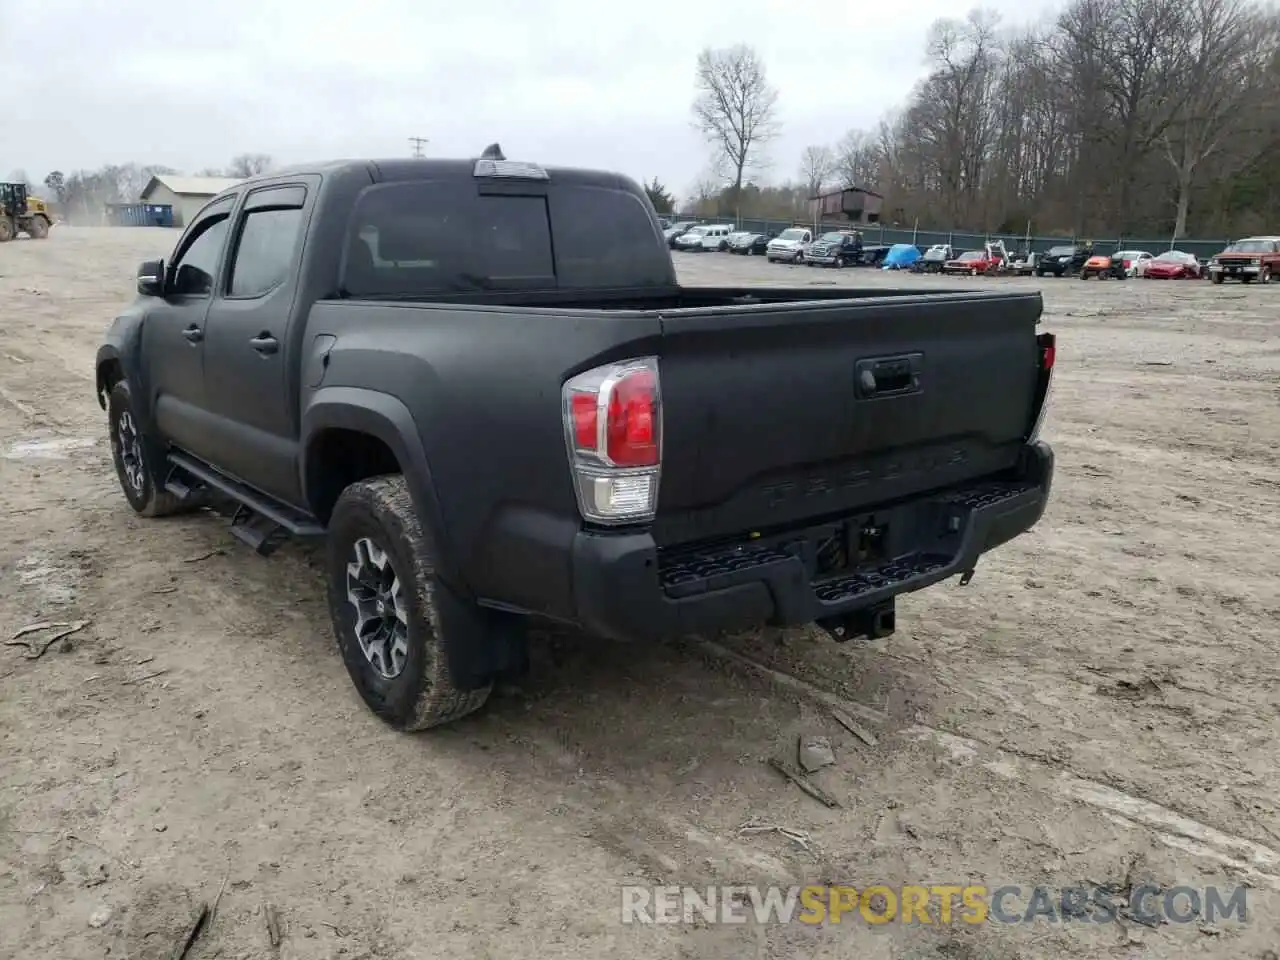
(417, 145)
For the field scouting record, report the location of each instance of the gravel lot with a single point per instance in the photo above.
(1097, 705)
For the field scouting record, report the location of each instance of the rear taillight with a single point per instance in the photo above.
(1127, 264)
(613, 428)
(1048, 346)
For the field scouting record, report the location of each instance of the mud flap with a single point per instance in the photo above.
(482, 645)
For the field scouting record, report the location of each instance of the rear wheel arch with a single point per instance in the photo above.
(353, 434)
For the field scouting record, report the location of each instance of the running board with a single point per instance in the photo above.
(258, 521)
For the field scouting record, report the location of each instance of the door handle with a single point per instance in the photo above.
(193, 334)
(265, 343)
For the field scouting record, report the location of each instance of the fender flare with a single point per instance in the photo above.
(385, 417)
(107, 353)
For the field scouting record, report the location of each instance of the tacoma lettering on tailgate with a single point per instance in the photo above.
(824, 483)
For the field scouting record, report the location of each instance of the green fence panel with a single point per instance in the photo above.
(880, 234)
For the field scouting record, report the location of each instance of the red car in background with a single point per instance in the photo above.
(972, 262)
(1173, 265)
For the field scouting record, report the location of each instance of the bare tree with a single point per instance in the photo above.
(1226, 58)
(857, 159)
(704, 196)
(735, 109)
(817, 163)
(249, 165)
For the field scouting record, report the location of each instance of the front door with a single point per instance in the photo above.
(173, 331)
(249, 346)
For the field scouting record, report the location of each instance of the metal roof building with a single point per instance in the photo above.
(185, 194)
(851, 203)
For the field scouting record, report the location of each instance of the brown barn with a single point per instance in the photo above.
(851, 203)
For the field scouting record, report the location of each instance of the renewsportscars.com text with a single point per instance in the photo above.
(932, 904)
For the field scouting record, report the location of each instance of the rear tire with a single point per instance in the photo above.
(134, 458)
(381, 568)
(6, 229)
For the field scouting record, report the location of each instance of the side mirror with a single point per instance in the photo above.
(151, 278)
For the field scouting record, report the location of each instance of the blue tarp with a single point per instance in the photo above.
(901, 255)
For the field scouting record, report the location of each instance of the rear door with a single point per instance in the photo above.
(248, 351)
(773, 414)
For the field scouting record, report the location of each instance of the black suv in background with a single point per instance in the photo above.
(751, 244)
(1064, 260)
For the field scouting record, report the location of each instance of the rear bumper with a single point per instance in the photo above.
(626, 589)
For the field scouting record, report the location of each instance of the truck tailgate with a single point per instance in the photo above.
(774, 414)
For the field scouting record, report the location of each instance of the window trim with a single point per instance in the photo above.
(207, 219)
(290, 196)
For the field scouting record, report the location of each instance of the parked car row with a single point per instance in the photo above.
(794, 245)
(1249, 259)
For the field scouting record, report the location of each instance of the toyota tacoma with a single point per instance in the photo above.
(482, 384)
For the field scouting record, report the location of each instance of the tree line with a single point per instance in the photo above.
(79, 196)
(1116, 117)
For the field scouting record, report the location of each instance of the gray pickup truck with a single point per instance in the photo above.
(482, 383)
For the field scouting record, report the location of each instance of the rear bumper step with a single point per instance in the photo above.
(627, 589)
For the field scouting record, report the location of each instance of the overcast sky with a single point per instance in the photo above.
(190, 84)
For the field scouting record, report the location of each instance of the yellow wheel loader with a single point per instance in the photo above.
(22, 213)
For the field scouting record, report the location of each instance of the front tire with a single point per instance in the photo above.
(38, 228)
(382, 586)
(134, 458)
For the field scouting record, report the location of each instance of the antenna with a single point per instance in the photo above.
(417, 145)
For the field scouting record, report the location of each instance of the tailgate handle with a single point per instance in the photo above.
(889, 376)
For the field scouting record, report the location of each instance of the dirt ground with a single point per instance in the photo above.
(1097, 706)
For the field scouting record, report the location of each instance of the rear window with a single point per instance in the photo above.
(1061, 251)
(424, 238)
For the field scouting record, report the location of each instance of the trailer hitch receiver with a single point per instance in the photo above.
(871, 623)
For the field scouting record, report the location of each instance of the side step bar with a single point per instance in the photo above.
(258, 520)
